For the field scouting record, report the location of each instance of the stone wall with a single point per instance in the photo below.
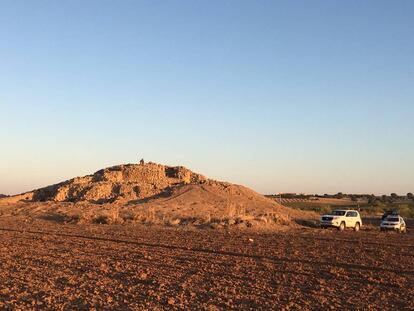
(120, 183)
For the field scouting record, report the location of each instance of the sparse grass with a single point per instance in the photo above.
(232, 214)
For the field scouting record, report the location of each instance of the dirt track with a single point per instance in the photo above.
(49, 266)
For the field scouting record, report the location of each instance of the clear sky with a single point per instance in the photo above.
(281, 96)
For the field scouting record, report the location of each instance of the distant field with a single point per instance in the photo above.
(322, 205)
(318, 202)
(319, 205)
(330, 201)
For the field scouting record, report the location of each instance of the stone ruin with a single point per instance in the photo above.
(120, 183)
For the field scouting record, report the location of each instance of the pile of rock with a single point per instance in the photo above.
(120, 183)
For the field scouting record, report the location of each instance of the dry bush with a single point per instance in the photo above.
(282, 220)
(234, 210)
(148, 216)
(214, 225)
(107, 217)
(172, 222)
(127, 216)
(102, 220)
(264, 219)
(206, 218)
(77, 217)
(241, 210)
(138, 217)
(231, 210)
(151, 217)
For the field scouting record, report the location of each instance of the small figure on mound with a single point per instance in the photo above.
(141, 162)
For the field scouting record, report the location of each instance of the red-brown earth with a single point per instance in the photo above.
(46, 265)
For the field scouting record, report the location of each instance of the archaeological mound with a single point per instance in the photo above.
(168, 192)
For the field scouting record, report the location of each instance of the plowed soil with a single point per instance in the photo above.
(85, 267)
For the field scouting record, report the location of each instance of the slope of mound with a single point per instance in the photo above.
(224, 197)
(222, 200)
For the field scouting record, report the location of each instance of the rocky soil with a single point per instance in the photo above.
(51, 266)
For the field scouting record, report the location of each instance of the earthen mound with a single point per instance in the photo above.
(150, 194)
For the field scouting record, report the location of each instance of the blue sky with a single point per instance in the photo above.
(281, 96)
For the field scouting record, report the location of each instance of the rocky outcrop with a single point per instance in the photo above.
(120, 183)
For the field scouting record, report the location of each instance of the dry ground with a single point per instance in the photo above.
(44, 265)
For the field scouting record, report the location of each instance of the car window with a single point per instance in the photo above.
(351, 214)
(393, 219)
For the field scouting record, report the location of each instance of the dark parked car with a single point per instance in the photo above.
(390, 212)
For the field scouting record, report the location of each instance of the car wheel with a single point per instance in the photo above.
(341, 226)
(357, 227)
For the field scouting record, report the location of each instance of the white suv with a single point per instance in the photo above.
(393, 222)
(342, 219)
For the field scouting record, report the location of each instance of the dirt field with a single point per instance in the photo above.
(85, 267)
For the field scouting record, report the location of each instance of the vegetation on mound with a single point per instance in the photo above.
(234, 215)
